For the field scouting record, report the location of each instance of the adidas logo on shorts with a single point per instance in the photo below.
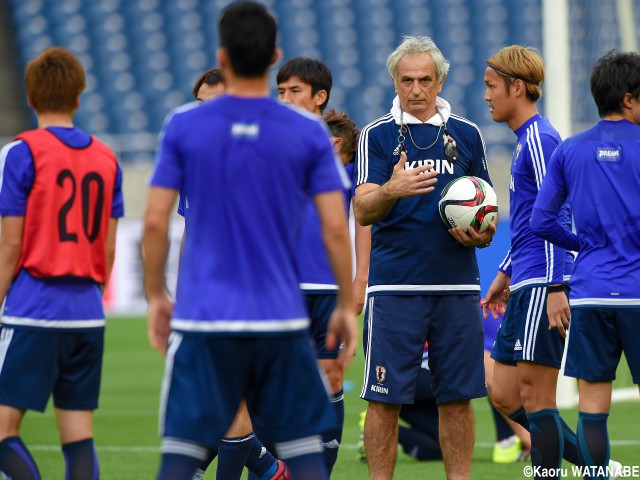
(518, 345)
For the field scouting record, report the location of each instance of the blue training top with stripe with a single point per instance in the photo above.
(598, 171)
(245, 166)
(411, 250)
(54, 303)
(316, 276)
(532, 261)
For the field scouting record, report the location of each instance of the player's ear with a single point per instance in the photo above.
(222, 58)
(337, 144)
(277, 55)
(519, 87)
(442, 83)
(320, 97)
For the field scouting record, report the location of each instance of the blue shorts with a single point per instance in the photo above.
(396, 328)
(320, 307)
(597, 338)
(524, 333)
(207, 376)
(38, 362)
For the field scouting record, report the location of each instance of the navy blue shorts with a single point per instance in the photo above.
(37, 363)
(597, 338)
(320, 307)
(524, 333)
(207, 376)
(396, 328)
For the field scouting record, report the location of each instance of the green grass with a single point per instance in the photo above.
(126, 422)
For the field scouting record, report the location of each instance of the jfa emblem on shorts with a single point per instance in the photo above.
(381, 373)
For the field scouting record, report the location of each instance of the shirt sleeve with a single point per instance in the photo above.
(17, 175)
(328, 173)
(549, 202)
(168, 170)
(181, 204)
(505, 266)
(372, 165)
(117, 205)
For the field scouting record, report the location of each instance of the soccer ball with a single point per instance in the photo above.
(468, 202)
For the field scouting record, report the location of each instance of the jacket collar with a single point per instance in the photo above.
(408, 119)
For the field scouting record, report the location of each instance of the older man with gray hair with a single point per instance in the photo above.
(423, 280)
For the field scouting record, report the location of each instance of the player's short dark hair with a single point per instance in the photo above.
(310, 71)
(54, 81)
(613, 76)
(341, 126)
(248, 34)
(211, 77)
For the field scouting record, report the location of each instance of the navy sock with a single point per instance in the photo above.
(232, 455)
(418, 445)
(177, 467)
(81, 460)
(593, 439)
(520, 417)
(503, 429)
(331, 438)
(570, 444)
(16, 461)
(260, 460)
(305, 458)
(546, 438)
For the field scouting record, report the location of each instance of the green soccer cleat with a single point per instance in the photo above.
(508, 450)
(360, 452)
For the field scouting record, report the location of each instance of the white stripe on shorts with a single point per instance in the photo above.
(6, 334)
(175, 339)
(536, 307)
(367, 360)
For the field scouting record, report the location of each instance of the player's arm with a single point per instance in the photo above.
(558, 310)
(155, 247)
(17, 174)
(372, 202)
(544, 223)
(551, 197)
(10, 247)
(335, 234)
(110, 248)
(363, 255)
(498, 294)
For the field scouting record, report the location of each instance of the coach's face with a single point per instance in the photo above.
(416, 85)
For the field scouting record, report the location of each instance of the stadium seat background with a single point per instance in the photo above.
(142, 56)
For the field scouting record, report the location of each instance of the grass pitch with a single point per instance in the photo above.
(128, 444)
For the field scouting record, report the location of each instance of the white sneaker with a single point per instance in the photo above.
(615, 469)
